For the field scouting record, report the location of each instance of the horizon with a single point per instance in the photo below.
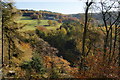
(58, 7)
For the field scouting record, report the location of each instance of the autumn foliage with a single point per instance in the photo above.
(59, 53)
(102, 66)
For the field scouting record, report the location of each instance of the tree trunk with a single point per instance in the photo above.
(119, 51)
(106, 42)
(9, 47)
(84, 34)
(2, 44)
(115, 39)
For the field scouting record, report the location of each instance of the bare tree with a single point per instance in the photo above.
(88, 5)
(110, 18)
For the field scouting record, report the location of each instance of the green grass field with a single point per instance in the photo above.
(32, 23)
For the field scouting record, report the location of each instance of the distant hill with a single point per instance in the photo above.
(45, 14)
(49, 15)
(97, 16)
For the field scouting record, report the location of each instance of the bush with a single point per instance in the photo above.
(35, 65)
(100, 66)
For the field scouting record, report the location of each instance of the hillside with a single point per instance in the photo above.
(48, 15)
(97, 16)
(44, 44)
(32, 23)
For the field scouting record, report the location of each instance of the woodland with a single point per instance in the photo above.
(43, 44)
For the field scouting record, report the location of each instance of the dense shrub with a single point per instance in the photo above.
(64, 40)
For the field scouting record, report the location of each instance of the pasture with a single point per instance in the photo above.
(31, 23)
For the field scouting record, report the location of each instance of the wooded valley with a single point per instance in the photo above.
(49, 45)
